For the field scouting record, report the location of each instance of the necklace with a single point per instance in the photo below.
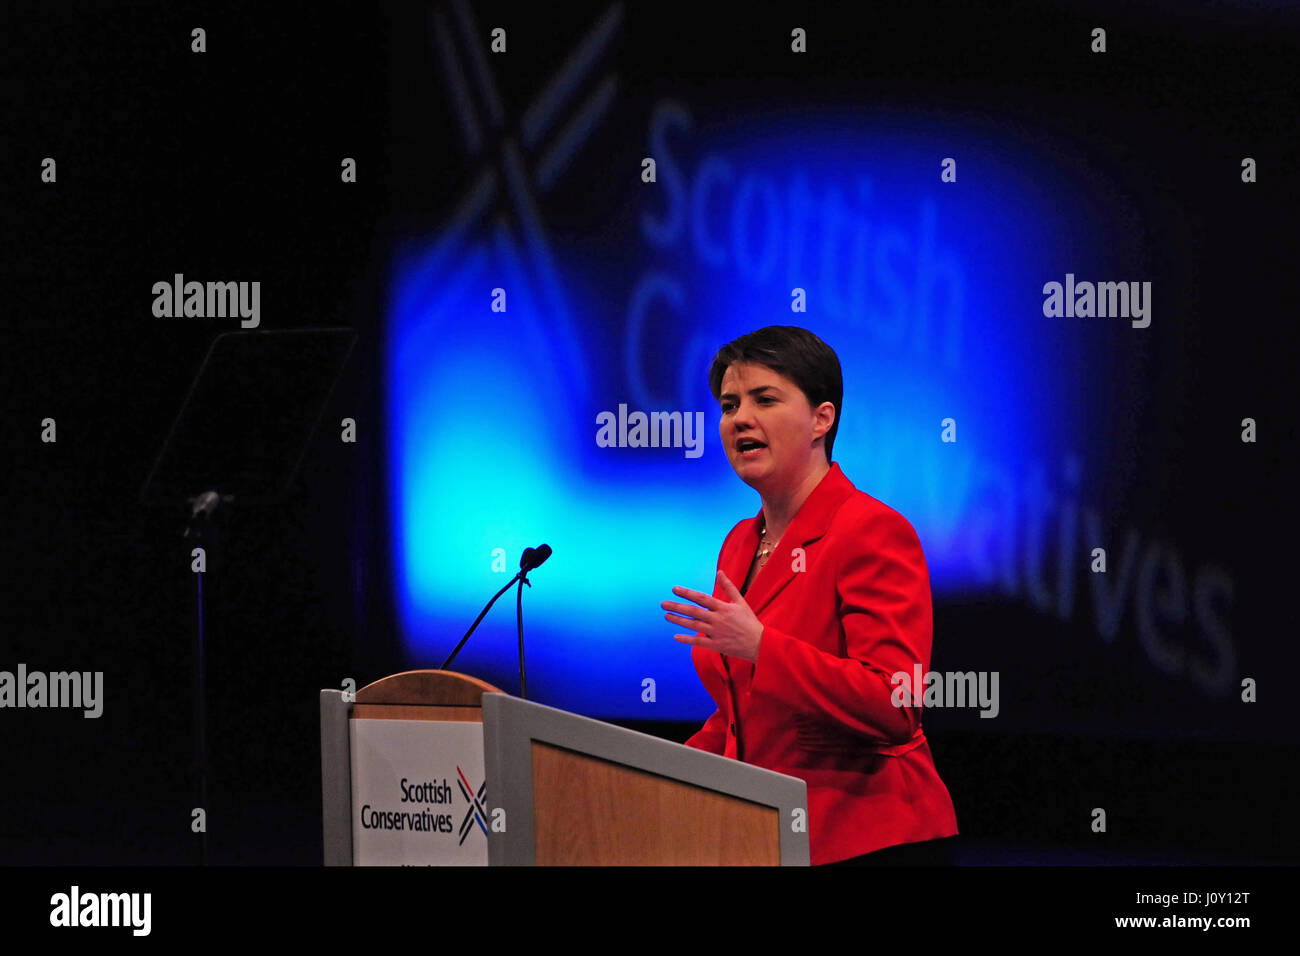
(764, 546)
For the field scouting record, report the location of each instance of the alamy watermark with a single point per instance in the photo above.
(75, 908)
(656, 430)
(947, 689)
(1084, 300)
(211, 300)
(36, 689)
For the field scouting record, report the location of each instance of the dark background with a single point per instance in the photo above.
(226, 165)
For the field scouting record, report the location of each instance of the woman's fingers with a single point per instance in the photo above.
(699, 597)
(689, 610)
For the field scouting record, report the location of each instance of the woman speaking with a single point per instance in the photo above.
(819, 599)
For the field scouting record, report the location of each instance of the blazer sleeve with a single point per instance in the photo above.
(882, 591)
(712, 736)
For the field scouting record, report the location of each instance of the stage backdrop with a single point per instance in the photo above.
(1019, 312)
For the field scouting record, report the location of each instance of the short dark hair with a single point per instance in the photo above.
(794, 353)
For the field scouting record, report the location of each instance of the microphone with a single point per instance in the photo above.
(534, 558)
(203, 507)
(205, 503)
(531, 558)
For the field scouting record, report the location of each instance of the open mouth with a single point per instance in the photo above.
(749, 448)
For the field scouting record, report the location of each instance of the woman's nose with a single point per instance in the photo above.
(744, 414)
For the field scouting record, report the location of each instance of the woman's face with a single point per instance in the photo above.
(758, 405)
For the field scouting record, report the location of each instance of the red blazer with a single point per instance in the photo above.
(840, 617)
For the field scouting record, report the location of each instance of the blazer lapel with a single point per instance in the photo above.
(810, 523)
(740, 555)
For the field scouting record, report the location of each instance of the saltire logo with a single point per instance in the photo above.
(477, 812)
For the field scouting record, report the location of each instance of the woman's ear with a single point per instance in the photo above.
(825, 414)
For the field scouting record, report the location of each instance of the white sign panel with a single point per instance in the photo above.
(419, 797)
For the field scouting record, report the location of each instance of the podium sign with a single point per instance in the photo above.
(419, 793)
(405, 765)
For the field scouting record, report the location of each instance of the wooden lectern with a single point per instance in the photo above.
(557, 788)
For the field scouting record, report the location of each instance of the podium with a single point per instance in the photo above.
(432, 767)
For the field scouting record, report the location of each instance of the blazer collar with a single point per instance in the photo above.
(810, 522)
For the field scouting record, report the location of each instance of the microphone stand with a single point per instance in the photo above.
(519, 616)
(526, 564)
(201, 529)
(452, 656)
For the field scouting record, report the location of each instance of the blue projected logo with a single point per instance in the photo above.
(929, 294)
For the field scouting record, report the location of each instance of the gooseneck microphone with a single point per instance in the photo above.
(534, 558)
(531, 559)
